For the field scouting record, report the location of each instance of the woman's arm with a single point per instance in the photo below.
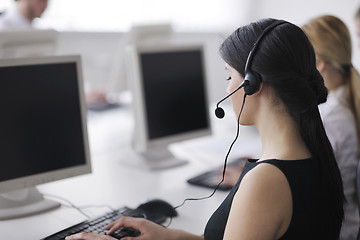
(182, 235)
(262, 206)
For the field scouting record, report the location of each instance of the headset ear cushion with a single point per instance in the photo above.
(254, 80)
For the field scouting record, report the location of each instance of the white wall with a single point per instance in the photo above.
(120, 15)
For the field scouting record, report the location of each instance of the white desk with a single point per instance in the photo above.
(117, 185)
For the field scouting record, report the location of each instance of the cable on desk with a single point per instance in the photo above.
(67, 201)
(84, 206)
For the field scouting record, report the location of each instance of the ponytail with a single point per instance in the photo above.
(313, 134)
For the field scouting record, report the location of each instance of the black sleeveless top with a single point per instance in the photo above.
(308, 219)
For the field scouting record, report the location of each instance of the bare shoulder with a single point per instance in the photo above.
(264, 175)
(264, 182)
(263, 201)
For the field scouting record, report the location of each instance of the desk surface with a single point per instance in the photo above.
(116, 184)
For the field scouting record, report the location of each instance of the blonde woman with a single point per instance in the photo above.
(341, 113)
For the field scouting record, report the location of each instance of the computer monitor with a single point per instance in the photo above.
(170, 103)
(138, 34)
(19, 43)
(43, 130)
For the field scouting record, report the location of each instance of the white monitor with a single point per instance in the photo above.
(19, 43)
(170, 102)
(43, 130)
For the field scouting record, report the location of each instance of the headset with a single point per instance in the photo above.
(251, 85)
(252, 79)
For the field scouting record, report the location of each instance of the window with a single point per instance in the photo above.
(119, 15)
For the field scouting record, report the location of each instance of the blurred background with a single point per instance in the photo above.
(187, 15)
(97, 29)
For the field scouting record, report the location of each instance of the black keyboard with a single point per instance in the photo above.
(211, 178)
(97, 224)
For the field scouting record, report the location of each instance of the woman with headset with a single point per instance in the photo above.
(341, 113)
(294, 190)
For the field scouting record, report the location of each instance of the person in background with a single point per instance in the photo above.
(357, 25)
(22, 14)
(341, 113)
(294, 190)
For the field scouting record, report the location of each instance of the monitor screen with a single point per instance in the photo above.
(43, 124)
(43, 128)
(174, 92)
(169, 91)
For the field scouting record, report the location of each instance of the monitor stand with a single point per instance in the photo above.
(23, 203)
(154, 159)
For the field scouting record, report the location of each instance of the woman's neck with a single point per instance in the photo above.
(280, 137)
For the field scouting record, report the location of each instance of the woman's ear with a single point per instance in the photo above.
(321, 65)
(260, 89)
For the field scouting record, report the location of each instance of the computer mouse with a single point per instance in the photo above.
(158, 206)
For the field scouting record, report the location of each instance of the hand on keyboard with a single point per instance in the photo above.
(116, 234)
(89, 236)
(97, 228)
(147, 229)
(126, 225)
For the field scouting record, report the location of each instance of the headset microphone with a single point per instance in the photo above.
(219, 112)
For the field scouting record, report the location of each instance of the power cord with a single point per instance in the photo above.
(78, 208)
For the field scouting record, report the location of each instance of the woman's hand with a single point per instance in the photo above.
(148, 230)
(232, 173)
(89, 236)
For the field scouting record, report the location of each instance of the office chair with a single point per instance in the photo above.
(358, 192)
